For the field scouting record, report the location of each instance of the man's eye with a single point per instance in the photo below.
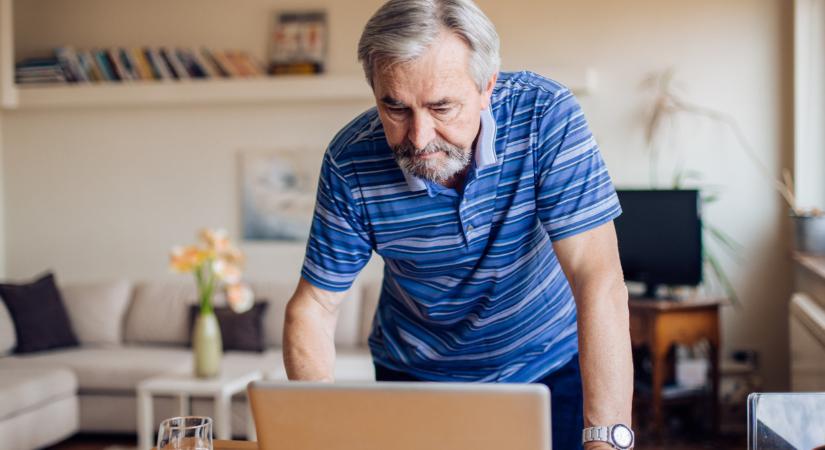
(397, 110)
(442, 111)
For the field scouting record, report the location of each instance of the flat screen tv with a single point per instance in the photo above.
(660, 237)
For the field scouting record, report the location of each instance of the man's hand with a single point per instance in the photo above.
(309, 333)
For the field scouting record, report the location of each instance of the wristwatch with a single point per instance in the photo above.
(618, 436)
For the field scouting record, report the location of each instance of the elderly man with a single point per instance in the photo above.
(486, 196)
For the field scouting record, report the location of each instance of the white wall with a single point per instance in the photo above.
(105, 193)
(2, 207)
(809, 67)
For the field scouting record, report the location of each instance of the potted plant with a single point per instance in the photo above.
(809, 223)
(216, 264)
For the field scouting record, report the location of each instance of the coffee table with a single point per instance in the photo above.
(184, 386)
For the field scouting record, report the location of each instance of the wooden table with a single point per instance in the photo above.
(659, 324)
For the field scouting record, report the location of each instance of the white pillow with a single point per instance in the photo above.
(97, 310)
(159, 313)
(8, 337)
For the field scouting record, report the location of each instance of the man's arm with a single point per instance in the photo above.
(309, 333)
(590, 261)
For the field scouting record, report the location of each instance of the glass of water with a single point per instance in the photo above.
(185, 433)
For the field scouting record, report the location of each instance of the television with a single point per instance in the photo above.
(660, 237)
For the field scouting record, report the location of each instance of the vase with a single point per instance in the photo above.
(207, 345)
(810, 234)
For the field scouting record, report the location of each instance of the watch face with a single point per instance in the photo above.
(622, 436)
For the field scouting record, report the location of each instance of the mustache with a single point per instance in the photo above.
(408, 150)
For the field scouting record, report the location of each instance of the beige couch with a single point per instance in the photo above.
(132, 331)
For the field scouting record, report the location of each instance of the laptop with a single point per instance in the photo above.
(400, 416)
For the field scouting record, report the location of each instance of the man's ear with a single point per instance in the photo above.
(488, 91)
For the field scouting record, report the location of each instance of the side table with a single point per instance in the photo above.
(659, 324)
(185, 386)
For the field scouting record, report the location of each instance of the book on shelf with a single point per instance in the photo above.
(39, 70)
(159, 64)
(172, 60)
(210, 57)
(126, 64)
(143, 65)
(190, 64)
(89, 66)
(117, 65)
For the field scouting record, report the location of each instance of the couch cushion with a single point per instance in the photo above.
(159, 313)
(97, 310)
(8, 337)
(39, 315)
(278, 295)
(23, 388)
(110, 369)
(239, 331)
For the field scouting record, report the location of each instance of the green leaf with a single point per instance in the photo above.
(723, 278)
(728, 243)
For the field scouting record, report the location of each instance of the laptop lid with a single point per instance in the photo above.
(400, 416)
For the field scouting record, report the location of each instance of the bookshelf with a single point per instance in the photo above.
(281, 89)
(259, 90)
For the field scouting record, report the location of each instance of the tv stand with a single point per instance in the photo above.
(651, 289)
(658, 325)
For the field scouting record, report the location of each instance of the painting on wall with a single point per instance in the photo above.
(278, 193)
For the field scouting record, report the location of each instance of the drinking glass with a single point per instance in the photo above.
(786, 420)
(185, 433)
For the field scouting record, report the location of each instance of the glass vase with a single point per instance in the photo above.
(207, 345)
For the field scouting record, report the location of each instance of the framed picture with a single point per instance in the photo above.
(298, 42)
(278, 193)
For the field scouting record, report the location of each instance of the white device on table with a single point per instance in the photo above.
(400, 416)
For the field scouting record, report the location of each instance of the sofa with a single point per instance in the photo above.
(130, 331)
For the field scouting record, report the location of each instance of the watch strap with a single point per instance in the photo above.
(592, 434)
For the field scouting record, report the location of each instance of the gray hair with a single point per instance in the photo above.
(403, 30)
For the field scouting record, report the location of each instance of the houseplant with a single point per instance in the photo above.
(668, 104)
(216, 264)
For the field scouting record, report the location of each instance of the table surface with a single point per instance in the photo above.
(669, 305)
(184, 381)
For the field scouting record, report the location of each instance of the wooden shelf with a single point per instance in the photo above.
(265, 90)
(281, 89)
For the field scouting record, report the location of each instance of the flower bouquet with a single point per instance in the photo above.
(216, 264)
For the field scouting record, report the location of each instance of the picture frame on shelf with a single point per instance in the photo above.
(298, 43)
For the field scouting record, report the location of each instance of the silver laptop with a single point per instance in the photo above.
(400, 416)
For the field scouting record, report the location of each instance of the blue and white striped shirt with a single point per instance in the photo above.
(472, 288)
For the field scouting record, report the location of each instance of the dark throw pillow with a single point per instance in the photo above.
(243, 331)
(39, 315)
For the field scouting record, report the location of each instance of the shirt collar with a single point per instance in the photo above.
(484, 151)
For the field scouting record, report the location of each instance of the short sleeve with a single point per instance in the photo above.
(338, 245)
(574, 190)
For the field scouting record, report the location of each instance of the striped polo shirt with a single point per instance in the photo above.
(472, 288)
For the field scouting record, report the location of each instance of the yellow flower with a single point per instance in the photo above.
(239, 297)
(186, 259)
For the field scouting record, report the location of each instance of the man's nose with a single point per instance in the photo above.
(422, 130)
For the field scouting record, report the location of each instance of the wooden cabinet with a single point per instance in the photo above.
(658, 325)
